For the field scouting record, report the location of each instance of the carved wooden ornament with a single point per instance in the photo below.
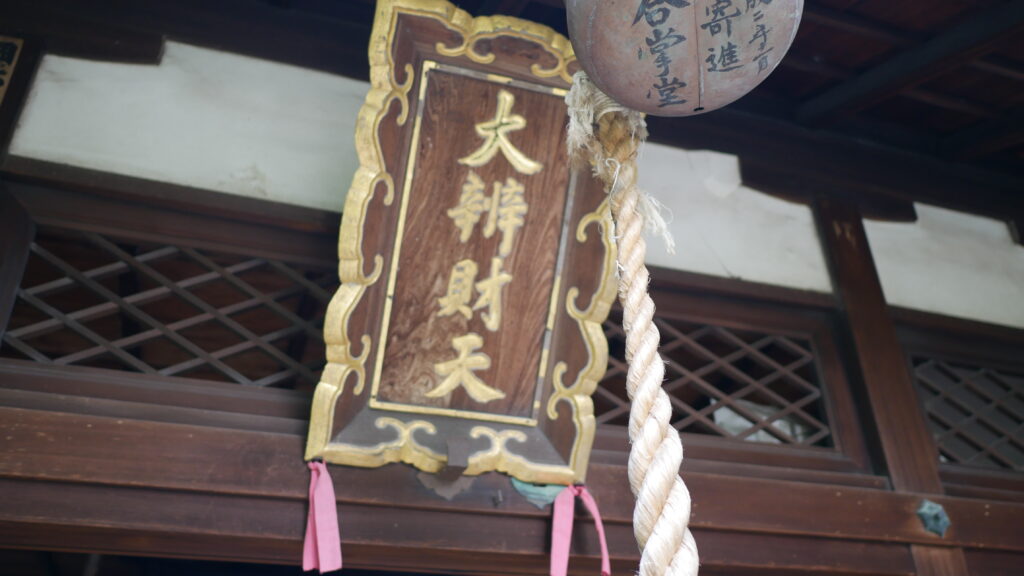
(475, 270)
(681, 57)
(10, 49)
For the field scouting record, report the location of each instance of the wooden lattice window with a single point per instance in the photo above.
(90, 300)
(734, 383)
(976, 413)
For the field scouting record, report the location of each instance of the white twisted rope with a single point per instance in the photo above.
(662, 513)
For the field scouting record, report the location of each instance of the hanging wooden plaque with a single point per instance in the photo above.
(475, 268)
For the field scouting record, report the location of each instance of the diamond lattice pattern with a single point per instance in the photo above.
(88, 300)
(975, 413)
(739, 384)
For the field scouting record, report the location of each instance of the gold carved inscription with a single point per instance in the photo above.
(472, 203)
(460, 290)
(490, 295)
(461, 283)
(506, 210)
(503, 210)
(495, 134)
(460, 371)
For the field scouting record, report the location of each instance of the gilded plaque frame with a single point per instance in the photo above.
(407, 432)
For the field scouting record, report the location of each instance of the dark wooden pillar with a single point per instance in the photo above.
(907, 447)
(16, 234)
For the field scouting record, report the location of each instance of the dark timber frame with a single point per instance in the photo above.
(247, 502)
(122, 463)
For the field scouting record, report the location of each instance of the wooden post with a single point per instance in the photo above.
(16, 233)
(908, 449)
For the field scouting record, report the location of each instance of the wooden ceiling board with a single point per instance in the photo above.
(1013, 49)
(834, 4)
(794, 83)
(919, 117)
(838, 41)
(550, 15)
(932, 16)
(998, 93)
(842, 48)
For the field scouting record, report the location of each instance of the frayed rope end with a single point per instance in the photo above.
(587, 104)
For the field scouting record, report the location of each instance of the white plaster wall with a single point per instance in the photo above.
(201, 118)
(723, 228)
(951, 263)
(239, 125)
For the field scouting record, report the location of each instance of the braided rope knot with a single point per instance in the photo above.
(607, 136)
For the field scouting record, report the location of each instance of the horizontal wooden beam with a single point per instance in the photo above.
(70, 35)
(122, 455)
(329, 41)
(985, 137)
(146, 210)
(227, 528)
(1000, 66)
(859, 25)
(674, 280)
(790, 157)
(503, 7)
(797, 62)
(159, 194)
(251, 508)
(335, 39)
(900, 37)
(962, 43)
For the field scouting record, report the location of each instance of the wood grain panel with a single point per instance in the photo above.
(65, 447)
(153, 390)
(219, 527)
(166, 195)
(939, 561)
(127, 219)
(418, 337)
(992, 563)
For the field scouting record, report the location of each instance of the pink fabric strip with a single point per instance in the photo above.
(561, 529)
(321, 549)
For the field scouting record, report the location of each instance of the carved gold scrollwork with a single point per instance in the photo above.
(342, 364)
(498, 457)
(404, 448)
(589, 323)
(475, 30)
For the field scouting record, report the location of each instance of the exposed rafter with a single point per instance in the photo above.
(958, 45)
(1000, 66)
(859, 25)
(833, 72)
(868, 28)
(505, 7)
(985, 138)
(888, 159)
(70, 35)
